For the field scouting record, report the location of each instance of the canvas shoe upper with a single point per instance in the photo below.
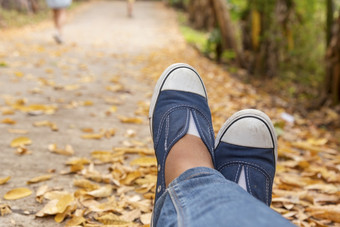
(246, 152)
(178, 94)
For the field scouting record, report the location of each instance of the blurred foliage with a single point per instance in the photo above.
(14, 18)
(18, 18)
(301, 68)
(204, 41)
(182, 4)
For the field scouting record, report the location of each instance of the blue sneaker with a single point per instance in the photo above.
(179, 94)
(246, 152)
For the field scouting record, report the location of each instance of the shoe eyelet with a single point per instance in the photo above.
(159, 189)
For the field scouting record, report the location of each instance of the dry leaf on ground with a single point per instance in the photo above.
(5, 209)
(4, 180)
(17, 193)
(39, 179)
(21, 141)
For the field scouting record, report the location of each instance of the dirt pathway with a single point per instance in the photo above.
(84, 85)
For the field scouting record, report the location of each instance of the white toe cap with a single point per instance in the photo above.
(249, 132)
(184, 79)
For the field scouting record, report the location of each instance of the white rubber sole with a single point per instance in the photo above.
(160, 84)
(249, 113)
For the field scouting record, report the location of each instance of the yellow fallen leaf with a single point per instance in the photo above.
(46, 124)
(22, 150)
(130, 177)
(20, 141)
(330, 212)
(17, 193)
(71, 87)
(60, 201)
(130, 120)
(88, 103)
(75, 160)
(328, 188)
(87, 130)
(49, 209)
(39, 179)
(67, 151)
(115, 88)
(144, 161)
(109, 133)
(111, 219)
(146, 218)
(61, 216)
(7, 112)
(113, 109)
(75, 221)
(39, 196)
(317, 142)
(8, 121)
(5, 209)
(17, 131)
(36, 108)
(128, 150)
(148, 179)
(107, 156)
(76, 168)
(131, 215)
(4, 180)
(49, 70)
(86, 184)
(92, 136)
(19, 74)
(110, 206)
(104, 191)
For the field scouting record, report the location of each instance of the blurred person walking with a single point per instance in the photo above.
(130, 7)
(59, 16)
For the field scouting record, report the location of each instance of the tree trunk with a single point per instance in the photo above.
(332, 80)
(201, 14)
(266, 34)
(227, 31)
(20, 5)
(34, 6)
(329, 23)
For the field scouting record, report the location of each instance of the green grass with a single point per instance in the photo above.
(194, 37)
(13, 18)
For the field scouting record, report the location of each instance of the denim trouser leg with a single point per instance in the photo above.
(203, 197)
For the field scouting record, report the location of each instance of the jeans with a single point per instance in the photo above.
(203, 197)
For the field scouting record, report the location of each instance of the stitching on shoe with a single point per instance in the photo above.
(254, 166)
(211, 131)
(199, 126)
(172, 109)
(184, 129)
(166, 146)
(167, 127)
(238, 169)
(267, 186)
(246, 171)
(166, 154)
(246, 163)
(267, 192)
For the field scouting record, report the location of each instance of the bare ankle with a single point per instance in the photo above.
(189, 152)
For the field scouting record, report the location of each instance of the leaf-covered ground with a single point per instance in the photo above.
(76, 149)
